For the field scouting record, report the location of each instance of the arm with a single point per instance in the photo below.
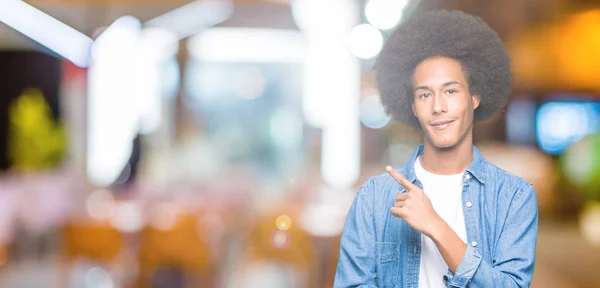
(356, 263)
(514, 257)
(451, 247)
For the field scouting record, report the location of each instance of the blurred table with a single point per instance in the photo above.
(564, 259)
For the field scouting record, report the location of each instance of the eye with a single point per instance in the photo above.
(425, 95)
(451, 91)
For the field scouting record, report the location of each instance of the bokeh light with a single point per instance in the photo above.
(590, 223)
(283, 222)
(384, 14)
(100, 205)
(323, 219)
(372, 112)
(128, 217)
(98, 278)
(562, 123)
(581, 164)
(577, 162)
(164, 216)
(280, 239)
(365, 41)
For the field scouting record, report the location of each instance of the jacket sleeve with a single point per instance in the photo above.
(514, 258)
(356, 264)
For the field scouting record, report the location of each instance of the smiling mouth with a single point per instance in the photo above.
(441, 124)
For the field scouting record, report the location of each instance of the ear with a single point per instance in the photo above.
(412, 106)
(476, 100)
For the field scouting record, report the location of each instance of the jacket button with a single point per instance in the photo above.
(469, 204)
(473, 243)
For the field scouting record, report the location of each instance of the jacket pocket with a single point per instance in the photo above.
(388, 264)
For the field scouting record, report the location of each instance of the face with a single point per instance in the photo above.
(442, 102)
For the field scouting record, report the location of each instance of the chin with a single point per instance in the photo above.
(443, 143)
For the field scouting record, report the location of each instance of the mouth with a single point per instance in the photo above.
(442, 124)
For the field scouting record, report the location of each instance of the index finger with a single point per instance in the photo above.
(400, 178)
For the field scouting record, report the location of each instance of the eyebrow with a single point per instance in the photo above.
(425, 87)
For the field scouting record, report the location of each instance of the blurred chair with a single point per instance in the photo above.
(287, 257)
(170, 255)
(95, 241)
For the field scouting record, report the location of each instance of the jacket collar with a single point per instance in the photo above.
(477, 168)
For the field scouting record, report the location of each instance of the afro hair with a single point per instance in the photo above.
(451, 34)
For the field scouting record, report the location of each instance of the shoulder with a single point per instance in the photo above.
(506, 184)
(383, 181)
(378, 189)
(496, 173)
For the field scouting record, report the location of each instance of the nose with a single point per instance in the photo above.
(439, 104)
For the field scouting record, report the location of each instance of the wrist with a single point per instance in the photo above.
(438, 228)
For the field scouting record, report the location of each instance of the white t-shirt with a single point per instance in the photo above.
(445, 193)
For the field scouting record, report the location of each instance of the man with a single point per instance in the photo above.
(447, 218)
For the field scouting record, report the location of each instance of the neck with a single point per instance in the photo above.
(447, 161)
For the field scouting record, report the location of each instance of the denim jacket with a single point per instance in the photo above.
(501, 219)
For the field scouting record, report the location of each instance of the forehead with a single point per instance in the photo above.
(435, 71)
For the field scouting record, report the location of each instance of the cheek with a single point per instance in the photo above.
(460, 105)
(419, 109)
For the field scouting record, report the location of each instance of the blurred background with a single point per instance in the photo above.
(155, 143)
